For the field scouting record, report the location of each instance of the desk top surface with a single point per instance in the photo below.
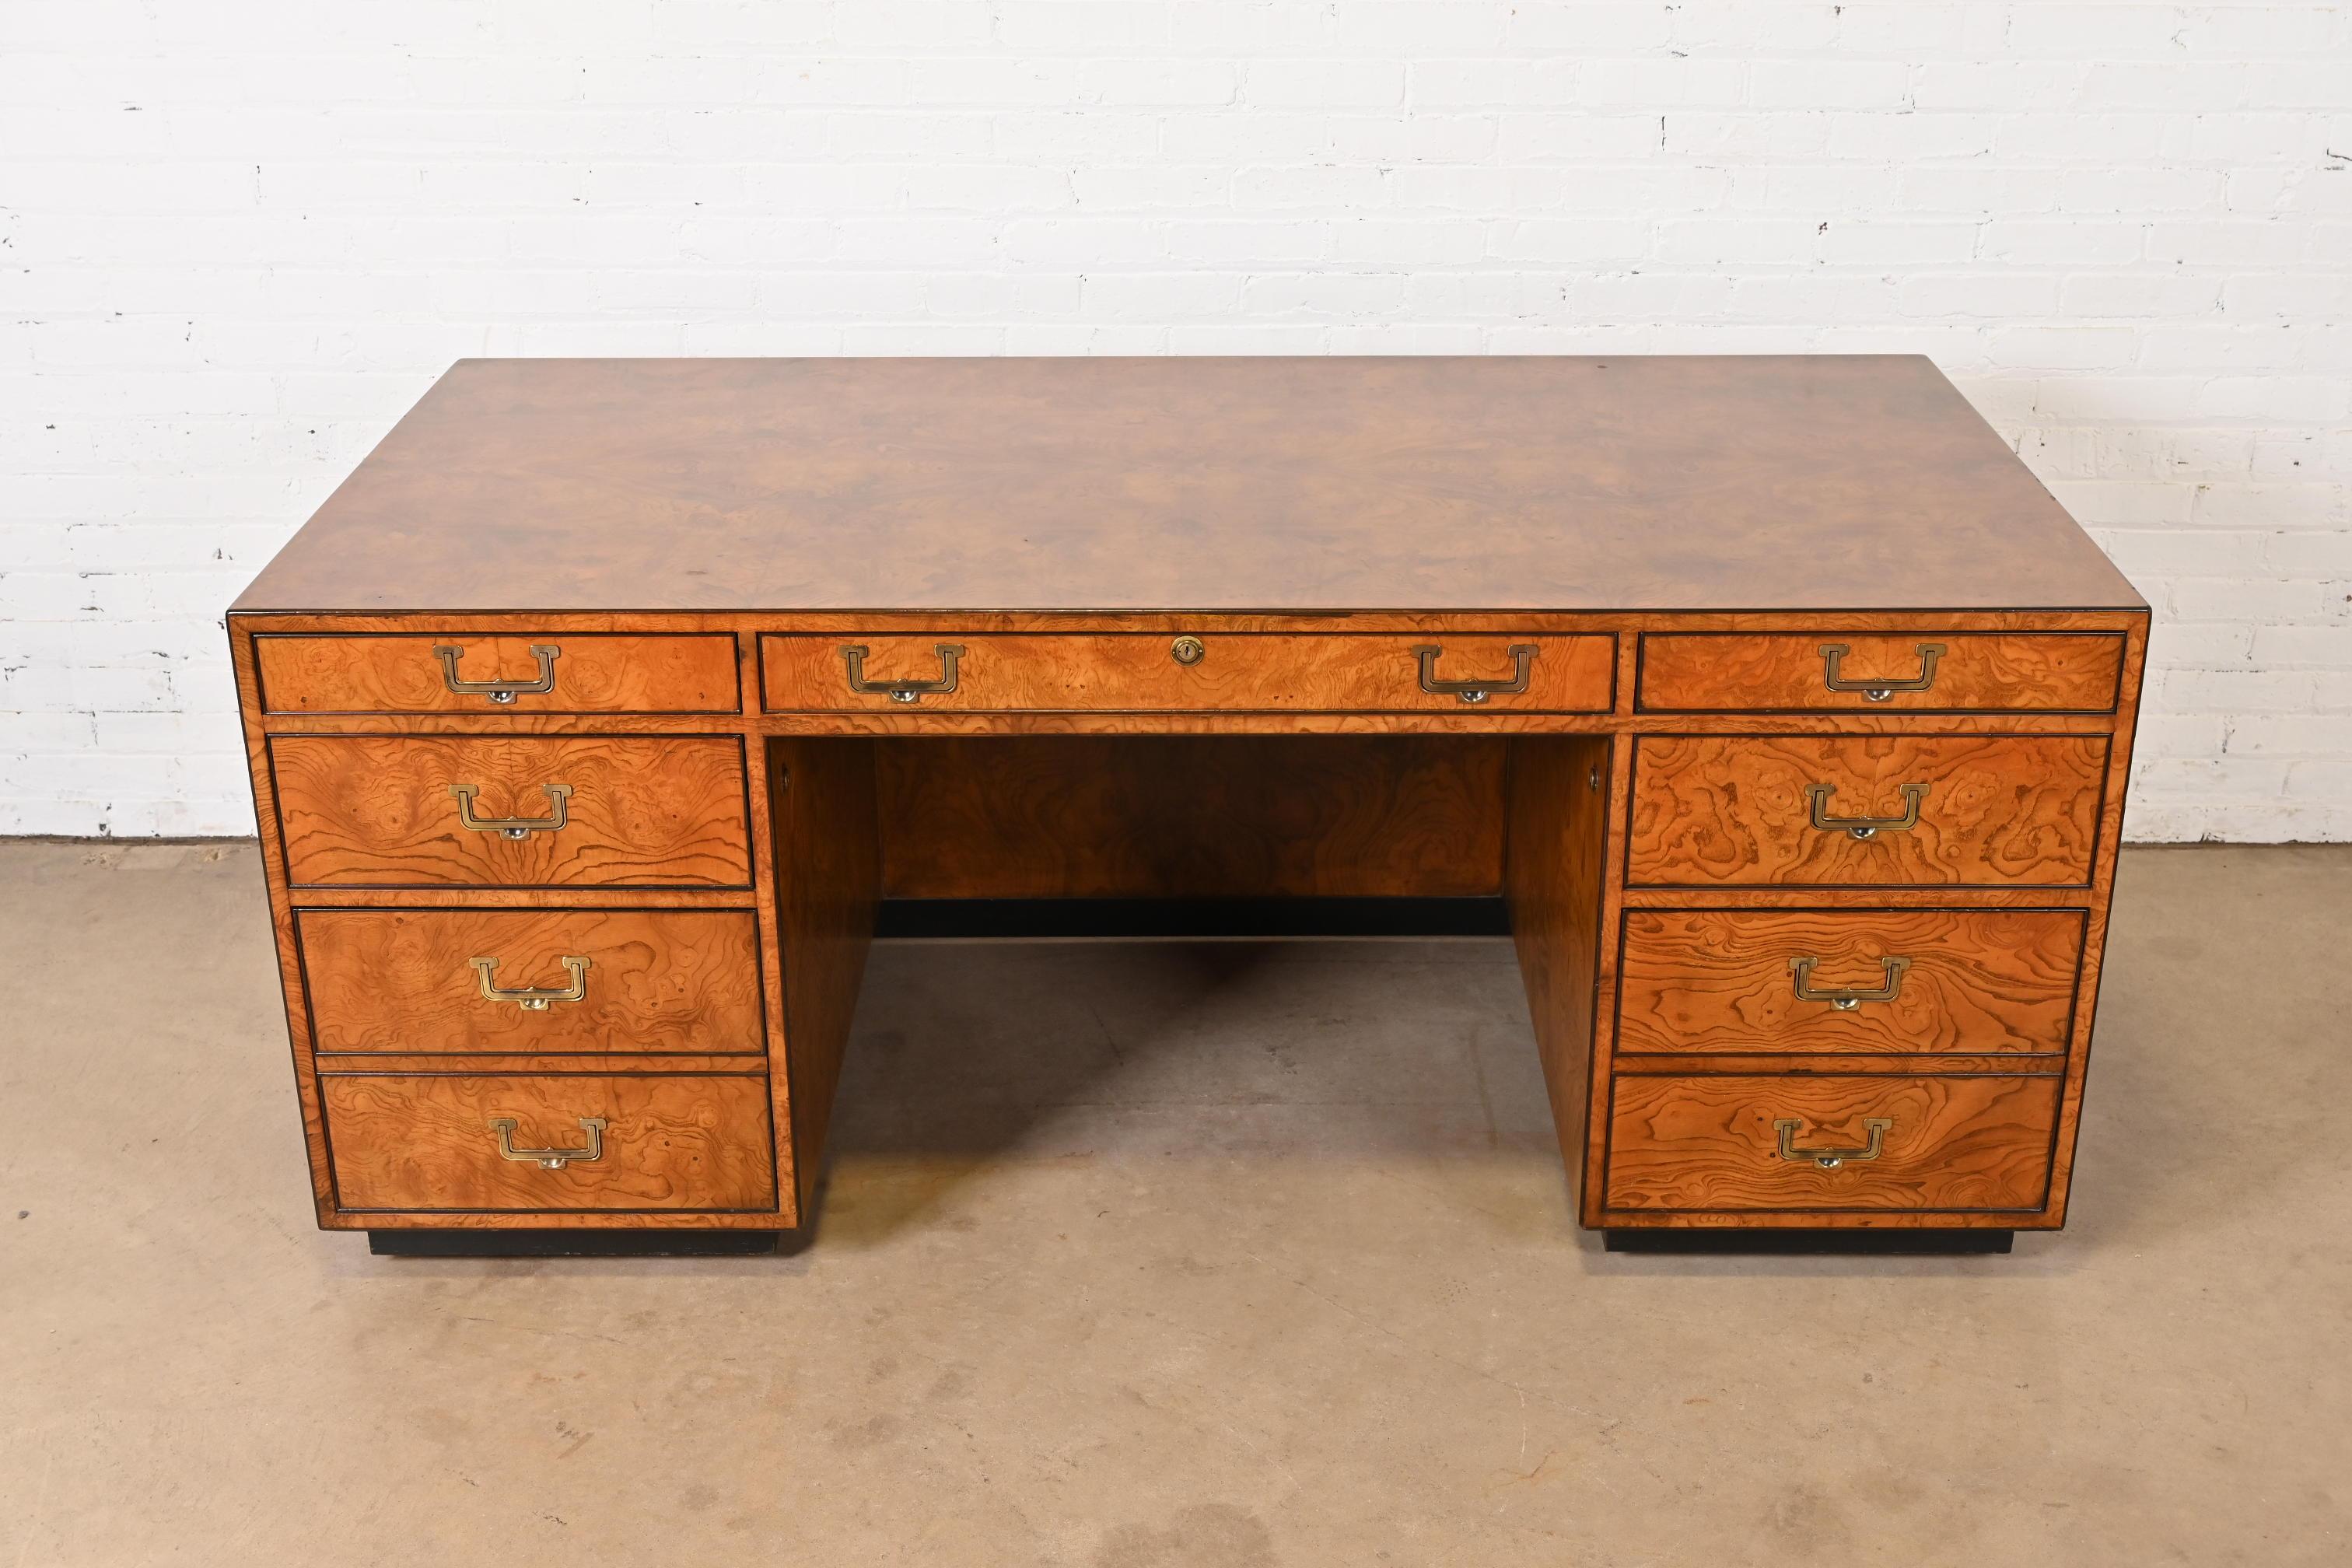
(1280, 485)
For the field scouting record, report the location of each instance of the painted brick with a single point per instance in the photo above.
(237, 240)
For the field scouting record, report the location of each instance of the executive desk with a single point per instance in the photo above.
(597, 715)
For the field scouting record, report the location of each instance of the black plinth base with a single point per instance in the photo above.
(1852, 1243)
(572, 1243)
(1304, 917)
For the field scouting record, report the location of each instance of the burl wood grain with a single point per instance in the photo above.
(1733, 810)
(1707, 1143)
(828, 848)
(2022, 673)
(1264, 673)
(413, 1141)
(1313, 484)
(673, 981)
(1307, 500)
(592, 674)
(1190, 816)
(1717, 981)
(1559, 811)
(375, 811)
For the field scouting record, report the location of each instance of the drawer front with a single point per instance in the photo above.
(1827, 672)
(1746, 1142)
(1866, 811)
(549, 673)
(1235, 671)
(427, 1142)
(1724, 981)
(606, 812)
(568, 981)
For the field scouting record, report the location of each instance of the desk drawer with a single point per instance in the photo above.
(426, 1141)
(1942, 672)
(1747, 1142)
(460, 672)
(1724, 981)
(415, 811)
(1865, 810)
(1148, 671)
(569, 981)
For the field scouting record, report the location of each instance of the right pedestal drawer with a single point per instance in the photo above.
(1698, 982)
(1754, 1142)
(1828, 672)
(1865, 810)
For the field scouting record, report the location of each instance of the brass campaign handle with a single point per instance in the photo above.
(558, 795)
(1873, 688)
(902, 690)
(1523, 656)
(499, 691)
(1875, 1127)
(533, 998)
(553, 1159)
(1865, 827)
(1846, 998)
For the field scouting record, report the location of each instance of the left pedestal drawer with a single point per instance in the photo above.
(430, 811)
(474, 672)
(532, 981)
(549, 1142)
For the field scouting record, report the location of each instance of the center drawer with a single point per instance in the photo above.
(423, 811)
(549, 1142)
(1154, 671)
(1865, 810)
(532, 981)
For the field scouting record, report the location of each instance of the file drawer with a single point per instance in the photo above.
(457, 672)
(1233, 671)
(1865, 810)
(549, 1142)
(552, 982)
(422, 811)
(1750, 1142)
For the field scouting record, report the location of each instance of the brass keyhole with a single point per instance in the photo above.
(1187, 650)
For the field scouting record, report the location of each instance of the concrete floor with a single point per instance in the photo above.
(1186, 1256)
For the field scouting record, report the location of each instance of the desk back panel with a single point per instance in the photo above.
(1192, 816)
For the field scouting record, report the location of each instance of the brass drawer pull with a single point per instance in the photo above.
(533, 998)
(1865, 827)
(903, 690)
(556, 1159)
(500, 691)
(1523, 654)
(558, 795)
(1872, 688)
(1845, 998)
(1875, 1127)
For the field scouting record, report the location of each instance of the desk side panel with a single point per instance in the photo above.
(1558, 817)
(244, 661)
(828, 860)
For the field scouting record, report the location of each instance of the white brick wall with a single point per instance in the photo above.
(238, 238)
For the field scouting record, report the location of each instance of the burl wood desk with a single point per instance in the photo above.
(1780, 713)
